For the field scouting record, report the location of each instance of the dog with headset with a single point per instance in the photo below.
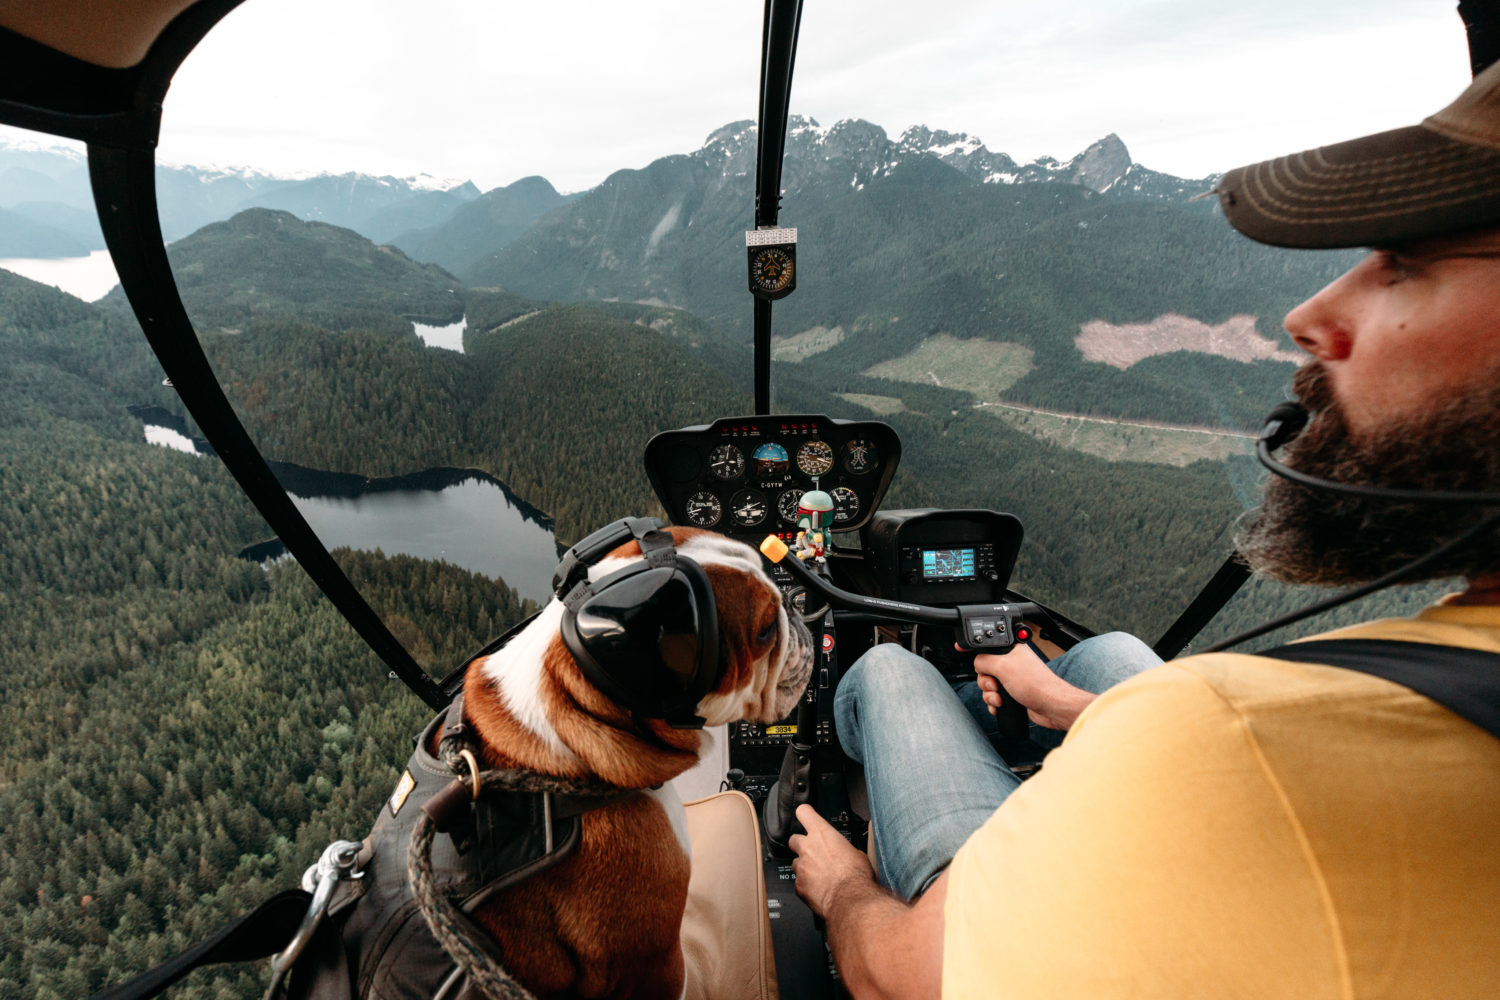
(653, 634)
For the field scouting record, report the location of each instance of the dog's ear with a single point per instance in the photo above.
(644, 627)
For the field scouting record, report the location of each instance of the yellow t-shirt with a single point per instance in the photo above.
(1227, 826)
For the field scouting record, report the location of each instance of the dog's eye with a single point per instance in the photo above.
(766, 634)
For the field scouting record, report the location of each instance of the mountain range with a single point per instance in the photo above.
(927, 235)
(47, 189)
(46, 209)
(713, 182)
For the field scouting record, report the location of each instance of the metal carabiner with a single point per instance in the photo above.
(335, 866)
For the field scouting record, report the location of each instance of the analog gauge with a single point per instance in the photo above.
(772, 269)
(771, 460)
(860, 456)
(815, 458)
(704, 509)
(845, 504)
(786, 505)
(748, 508)
(727, 461)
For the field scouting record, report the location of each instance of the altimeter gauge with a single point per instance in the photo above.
(845, 504)
(786, 505)
(727, 462)
(860, 456)
(748, 508)
(704, 509)
(815, 458)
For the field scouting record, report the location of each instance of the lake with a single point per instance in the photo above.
(89, 278)
(450, 337)
(463, 516)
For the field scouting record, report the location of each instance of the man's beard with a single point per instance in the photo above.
(1314, 536)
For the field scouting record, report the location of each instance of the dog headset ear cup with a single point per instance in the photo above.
(648, 638)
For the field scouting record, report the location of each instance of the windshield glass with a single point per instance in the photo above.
(455, 264)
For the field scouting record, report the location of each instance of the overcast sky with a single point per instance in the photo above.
(492, 91)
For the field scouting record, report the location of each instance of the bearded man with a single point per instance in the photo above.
(1233, 825)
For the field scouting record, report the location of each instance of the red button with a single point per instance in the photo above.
(1023, 633)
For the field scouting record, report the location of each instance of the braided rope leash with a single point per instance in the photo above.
(459, 936)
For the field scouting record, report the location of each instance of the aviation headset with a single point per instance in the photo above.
(647, 636)
(1287, 420)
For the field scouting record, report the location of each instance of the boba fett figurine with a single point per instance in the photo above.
(814, 513)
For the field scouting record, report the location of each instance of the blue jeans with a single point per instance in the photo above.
(932, 776)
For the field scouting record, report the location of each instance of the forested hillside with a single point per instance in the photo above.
(263, 264)
(482, 226)
(147, 795)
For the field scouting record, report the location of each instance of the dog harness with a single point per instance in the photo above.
(374, 940)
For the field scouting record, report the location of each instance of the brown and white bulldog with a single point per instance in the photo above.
(605, 921)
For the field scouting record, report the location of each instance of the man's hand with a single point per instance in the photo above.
(1050, 701)
(885, 949)
(826, 863)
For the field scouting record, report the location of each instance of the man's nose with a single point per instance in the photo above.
(1323, 325)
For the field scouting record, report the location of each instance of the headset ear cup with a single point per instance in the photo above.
(710, 665)
(648, 639)
(593, 671)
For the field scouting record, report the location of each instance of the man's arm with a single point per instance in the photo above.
(884, 948)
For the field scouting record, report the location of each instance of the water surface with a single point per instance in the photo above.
(89, 278)
(463, 516)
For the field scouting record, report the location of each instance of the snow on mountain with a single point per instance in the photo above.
(427, 182)
(863, 152)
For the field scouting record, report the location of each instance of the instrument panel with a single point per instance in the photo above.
(744, 476)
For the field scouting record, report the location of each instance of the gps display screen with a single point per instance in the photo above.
(948, 564)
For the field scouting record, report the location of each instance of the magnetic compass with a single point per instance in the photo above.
(771, 269)
(772, 256)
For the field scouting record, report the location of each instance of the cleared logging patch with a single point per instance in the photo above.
(1122, 346)
(805, 344)
(883, 405)
(982, 368)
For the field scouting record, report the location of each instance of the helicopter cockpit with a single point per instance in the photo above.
(1011, 398)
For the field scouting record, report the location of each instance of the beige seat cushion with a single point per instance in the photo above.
(726, 931)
